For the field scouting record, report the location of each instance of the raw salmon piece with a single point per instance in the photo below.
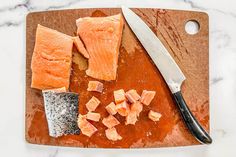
(86, 128)
(119, 96)
(102, 38)
(111, 108)
(51, 60)
(95, 86)
(131, 118)
(110, 121)
(62, 89)
(112, 134)
(93, 116)
(132, 96)
(123, 108)
(154, 116)
(80, 46)
(137, 107)
(147, 97)
(92, 104)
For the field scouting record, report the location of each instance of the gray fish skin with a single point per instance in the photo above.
(61, 110)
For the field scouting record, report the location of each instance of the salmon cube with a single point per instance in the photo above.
(112, 134)
(111, 108)
(123, 108)
(110, 121)
(86, 128)
(93, 116)
(80, 46)
(119, 96)
(131, 118)
(147, 97)
(92, 104)
(137, 107)
(154, 116)
(95, 86)
(132, 96)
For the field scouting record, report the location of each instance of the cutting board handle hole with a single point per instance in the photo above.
(192, 27)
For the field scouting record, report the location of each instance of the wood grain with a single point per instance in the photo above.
(189, 51)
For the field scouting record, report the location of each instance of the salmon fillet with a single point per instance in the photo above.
(102, 38)
(51, 60)
(80, 46)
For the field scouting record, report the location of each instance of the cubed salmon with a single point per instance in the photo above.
(111, 108)
(131, 118)
(132, 96)
(92, 104)
(110, 121)
(154, 116)
(95, 86)
(86, 128)
(112, 134)
(119, 96)
(93, 116)
(123, 108)
(137, 107)
(147, 97)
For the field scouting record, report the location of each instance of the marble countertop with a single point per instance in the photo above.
(222, 16)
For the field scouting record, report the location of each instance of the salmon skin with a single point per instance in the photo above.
(61, 110)
(101, 37)
(51, 60)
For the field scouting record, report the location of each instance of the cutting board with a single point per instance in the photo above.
(135, 71)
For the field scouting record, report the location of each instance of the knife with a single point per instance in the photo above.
(170, 71)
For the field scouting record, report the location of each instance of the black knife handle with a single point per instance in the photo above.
(195, 128)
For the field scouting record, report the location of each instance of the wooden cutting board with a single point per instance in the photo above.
(135, 71)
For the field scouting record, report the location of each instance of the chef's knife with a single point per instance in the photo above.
(169, 70)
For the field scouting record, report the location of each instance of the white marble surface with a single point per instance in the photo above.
(222, 78)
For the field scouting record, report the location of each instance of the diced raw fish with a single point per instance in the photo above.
(147, 97)
(80, 46)
(111, 108)
(112, 134)
(86, 128)
(132, 96)
(154, 116)
(119, 96)
(123, 108)
(137, 107)
(95, 86)
(93, 116)
(131, 118)
(110, 121)
(92, 104)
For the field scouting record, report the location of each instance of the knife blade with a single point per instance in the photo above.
(170, 71)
